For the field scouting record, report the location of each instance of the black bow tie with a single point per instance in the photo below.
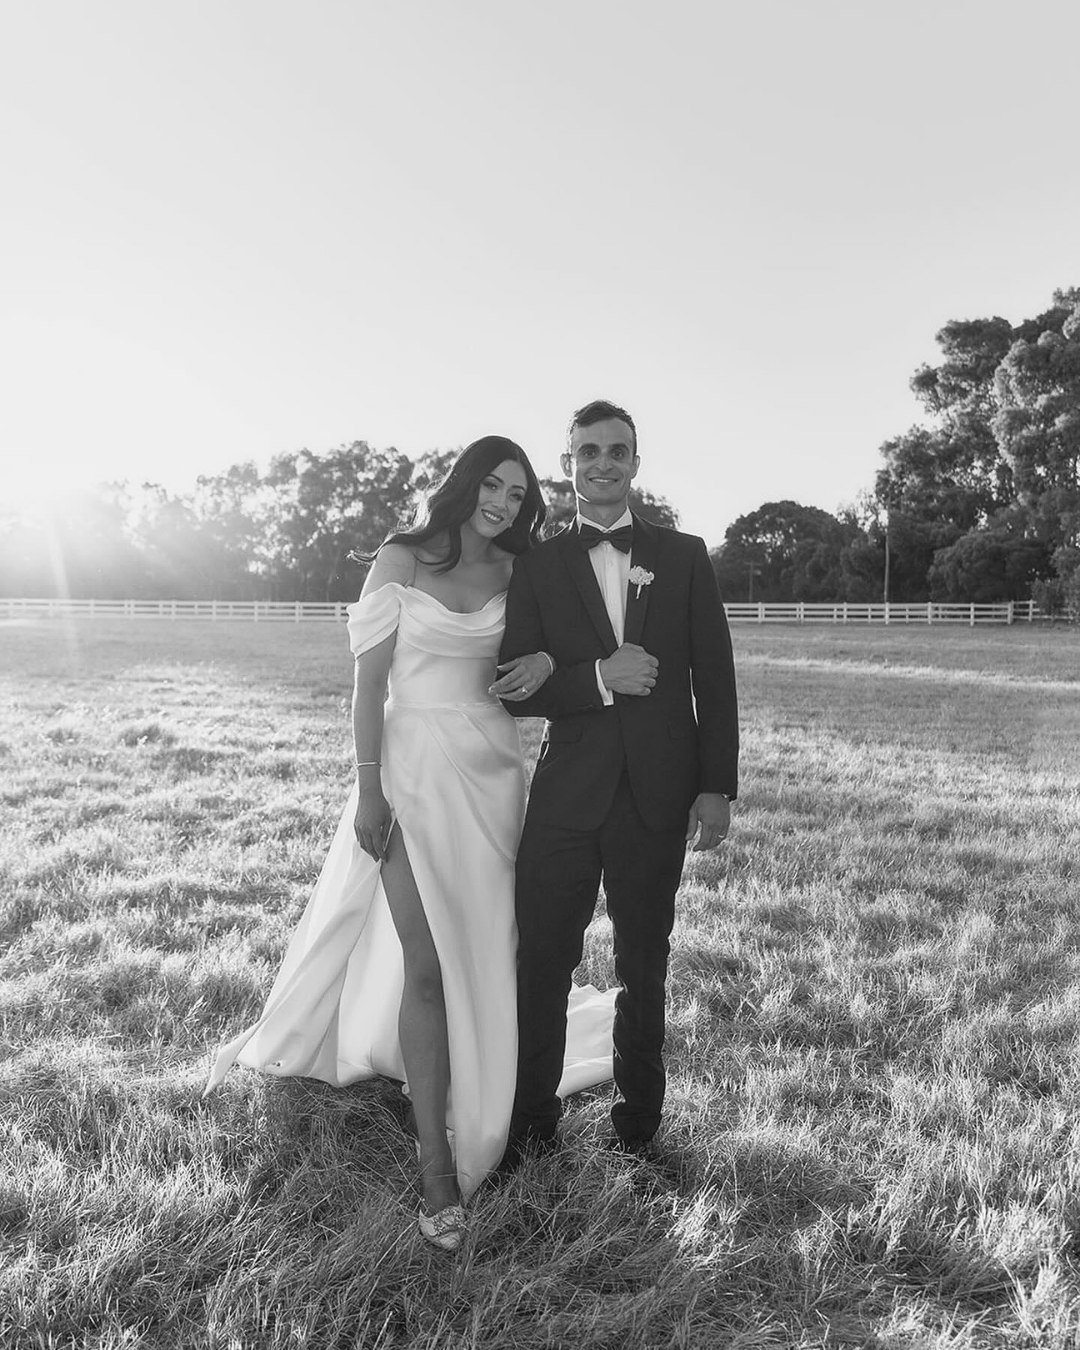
(622, 538)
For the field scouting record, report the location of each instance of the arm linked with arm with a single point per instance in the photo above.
(571, 688)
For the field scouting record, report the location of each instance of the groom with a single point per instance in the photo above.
(639, 756)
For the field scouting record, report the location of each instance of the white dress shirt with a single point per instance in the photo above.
(612, 568)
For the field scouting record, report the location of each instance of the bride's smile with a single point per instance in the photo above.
(499, 500)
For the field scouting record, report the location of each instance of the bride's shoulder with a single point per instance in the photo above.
(396, 563)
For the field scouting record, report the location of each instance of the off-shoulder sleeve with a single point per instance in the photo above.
(374, 617)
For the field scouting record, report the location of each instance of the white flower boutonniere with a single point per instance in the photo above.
(640, 577)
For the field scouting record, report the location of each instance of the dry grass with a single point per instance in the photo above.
(873, 1045)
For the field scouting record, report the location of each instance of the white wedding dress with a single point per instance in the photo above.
(454, 778)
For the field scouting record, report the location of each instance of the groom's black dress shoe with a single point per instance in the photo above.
(643, 1149)
(519, 1147)
(665, 1169)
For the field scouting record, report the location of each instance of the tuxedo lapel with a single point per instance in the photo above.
(580, 568)
(646, 539)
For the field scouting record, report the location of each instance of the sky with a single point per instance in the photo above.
(235, 228)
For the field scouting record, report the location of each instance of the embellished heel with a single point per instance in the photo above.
(444, 1230)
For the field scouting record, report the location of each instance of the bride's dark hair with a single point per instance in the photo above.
(450, 504)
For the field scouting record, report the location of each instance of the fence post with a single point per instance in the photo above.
(972, 614)
(761, 612)
(800, 612)
(1009, 620)
(886, 613)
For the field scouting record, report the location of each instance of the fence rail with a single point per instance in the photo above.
(287, 611)
(928, 612)
(259, 611)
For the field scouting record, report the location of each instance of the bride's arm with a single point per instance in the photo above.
(567, 689)
(372, 671)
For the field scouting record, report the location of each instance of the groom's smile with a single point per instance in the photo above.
(603, 462)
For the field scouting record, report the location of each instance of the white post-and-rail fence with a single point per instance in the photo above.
(287, 611)
(930, 611)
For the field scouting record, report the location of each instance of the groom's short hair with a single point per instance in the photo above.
(599, 410)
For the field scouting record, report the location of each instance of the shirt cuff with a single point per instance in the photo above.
(605, 692)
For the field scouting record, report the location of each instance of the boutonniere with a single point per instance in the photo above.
(640, 577)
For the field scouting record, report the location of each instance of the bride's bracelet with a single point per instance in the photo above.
(368, 764)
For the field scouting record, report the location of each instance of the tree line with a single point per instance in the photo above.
(981, 502)
(282, 534)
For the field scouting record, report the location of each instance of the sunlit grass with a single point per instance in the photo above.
(874, 1020)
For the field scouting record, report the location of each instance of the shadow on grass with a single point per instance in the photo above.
(281, 1207)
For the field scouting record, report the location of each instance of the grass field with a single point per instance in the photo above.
(873, 1046)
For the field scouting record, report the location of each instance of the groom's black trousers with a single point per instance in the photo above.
(558, 877)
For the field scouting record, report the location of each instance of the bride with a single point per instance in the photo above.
(403, 962)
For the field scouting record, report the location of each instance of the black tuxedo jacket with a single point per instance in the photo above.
(678, 740)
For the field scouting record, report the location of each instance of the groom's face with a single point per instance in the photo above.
(602, 462)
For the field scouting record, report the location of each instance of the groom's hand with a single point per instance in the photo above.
(711, 812)
(630, 670)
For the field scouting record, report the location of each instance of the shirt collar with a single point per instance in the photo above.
(625, 519)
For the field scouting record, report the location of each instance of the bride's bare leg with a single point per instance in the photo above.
(422, 1027)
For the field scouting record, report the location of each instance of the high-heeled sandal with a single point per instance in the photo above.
(444, 1230)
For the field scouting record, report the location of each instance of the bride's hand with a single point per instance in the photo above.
(523, 676)
(373, 821)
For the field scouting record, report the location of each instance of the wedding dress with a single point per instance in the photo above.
(453, 775)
